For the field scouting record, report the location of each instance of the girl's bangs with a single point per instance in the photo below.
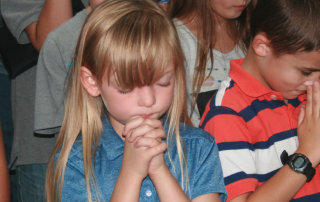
(138, 49)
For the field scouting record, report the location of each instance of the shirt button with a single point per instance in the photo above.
(273, 97)
(148, 193)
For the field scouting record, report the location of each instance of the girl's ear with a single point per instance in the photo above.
(89, 82)
(261, 44)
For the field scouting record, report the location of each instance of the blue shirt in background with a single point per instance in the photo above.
(204, 168)
(164, 1)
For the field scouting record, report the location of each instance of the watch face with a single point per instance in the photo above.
(299, 162)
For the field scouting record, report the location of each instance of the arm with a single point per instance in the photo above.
(53, 14)
(285, 184)
(139, 149)
(142, 131)
(168, 189)
(4, 173)
(166, 185)
(204, 184)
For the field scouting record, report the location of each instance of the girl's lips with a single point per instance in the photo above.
(146, 116)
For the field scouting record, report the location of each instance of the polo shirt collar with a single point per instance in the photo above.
(110, 140)
(251, 86)
(247, 83)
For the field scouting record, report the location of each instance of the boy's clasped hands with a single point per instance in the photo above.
(308, 125)
(143, 150)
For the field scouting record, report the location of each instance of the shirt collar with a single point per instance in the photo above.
(246, 82)
(250, 85)
(110, 140)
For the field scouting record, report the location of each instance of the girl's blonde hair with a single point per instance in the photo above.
(206, 33)
(135, 40)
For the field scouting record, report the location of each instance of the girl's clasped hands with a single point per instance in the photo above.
(144, 150)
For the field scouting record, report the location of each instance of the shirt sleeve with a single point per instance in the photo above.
(51, 80)
(205, 169)
(235, 150)
(19, 14)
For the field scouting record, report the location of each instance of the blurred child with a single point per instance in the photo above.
(211, 33)
(128, 60)
(255, 114)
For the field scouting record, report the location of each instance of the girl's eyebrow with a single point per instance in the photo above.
(167, 74)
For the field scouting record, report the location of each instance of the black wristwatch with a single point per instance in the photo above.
(299, 163)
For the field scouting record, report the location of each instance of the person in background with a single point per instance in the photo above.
(211, 32)
(255, 114)
(31, 21)
(52, 70)
(6, 117)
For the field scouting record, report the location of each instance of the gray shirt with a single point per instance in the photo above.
(221, 66)
(53, 65)
(28, 147)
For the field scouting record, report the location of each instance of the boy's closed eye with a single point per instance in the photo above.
(308, 71)
(305, 73)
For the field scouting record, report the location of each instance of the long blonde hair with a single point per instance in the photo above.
(135, 40)
(206, 33)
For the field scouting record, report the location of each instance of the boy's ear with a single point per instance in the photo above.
(89, 82)
(261, 44)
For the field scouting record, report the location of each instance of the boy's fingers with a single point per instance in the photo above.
(309, 101)
(302, 114)
(315, 99)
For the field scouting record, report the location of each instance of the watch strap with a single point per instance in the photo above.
(309, 171)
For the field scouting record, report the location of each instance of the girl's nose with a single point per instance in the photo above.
(146, 96)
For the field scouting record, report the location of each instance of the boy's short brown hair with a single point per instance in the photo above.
(290, 25)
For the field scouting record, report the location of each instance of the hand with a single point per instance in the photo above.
(309, 125)
(141, 145)
(148, 132)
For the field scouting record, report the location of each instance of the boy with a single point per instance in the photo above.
(255, 114)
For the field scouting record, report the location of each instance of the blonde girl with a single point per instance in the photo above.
(211, 32)
(125, 135)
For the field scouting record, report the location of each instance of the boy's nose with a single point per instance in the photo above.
(316, 77)
(146, 96)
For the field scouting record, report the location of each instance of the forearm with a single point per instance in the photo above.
(127, 188)
(283, 186)
(53, 14)
(168, 189)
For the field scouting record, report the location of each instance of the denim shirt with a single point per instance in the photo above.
(204, 168)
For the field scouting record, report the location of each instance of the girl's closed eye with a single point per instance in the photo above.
(164, 84)
(165, 80)
(127, 91)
